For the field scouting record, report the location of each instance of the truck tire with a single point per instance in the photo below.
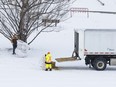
(100, 64)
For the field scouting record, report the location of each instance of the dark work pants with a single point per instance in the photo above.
(14, 47)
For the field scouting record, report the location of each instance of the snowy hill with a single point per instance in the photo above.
(27, 72)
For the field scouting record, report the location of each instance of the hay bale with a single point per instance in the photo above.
(53, 64)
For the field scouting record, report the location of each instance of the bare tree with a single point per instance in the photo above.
(23, 17)
(101, 2)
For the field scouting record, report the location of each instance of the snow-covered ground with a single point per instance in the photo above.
(27, 72)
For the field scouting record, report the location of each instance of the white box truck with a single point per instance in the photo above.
(96, 46)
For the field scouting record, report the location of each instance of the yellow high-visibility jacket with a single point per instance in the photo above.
(48, 58)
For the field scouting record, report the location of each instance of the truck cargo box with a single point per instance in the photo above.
(95, 42)
(100, 41)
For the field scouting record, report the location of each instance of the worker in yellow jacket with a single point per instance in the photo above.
(48, 61)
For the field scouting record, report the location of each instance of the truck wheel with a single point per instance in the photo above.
(100, 63)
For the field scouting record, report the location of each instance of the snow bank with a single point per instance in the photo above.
(22, 49)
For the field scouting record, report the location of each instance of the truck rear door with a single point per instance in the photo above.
(76, 41)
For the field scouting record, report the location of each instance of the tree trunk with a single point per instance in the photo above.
(23, 37)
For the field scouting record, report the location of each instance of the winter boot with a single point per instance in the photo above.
(46, 69)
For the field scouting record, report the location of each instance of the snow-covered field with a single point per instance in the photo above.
(27, 72)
